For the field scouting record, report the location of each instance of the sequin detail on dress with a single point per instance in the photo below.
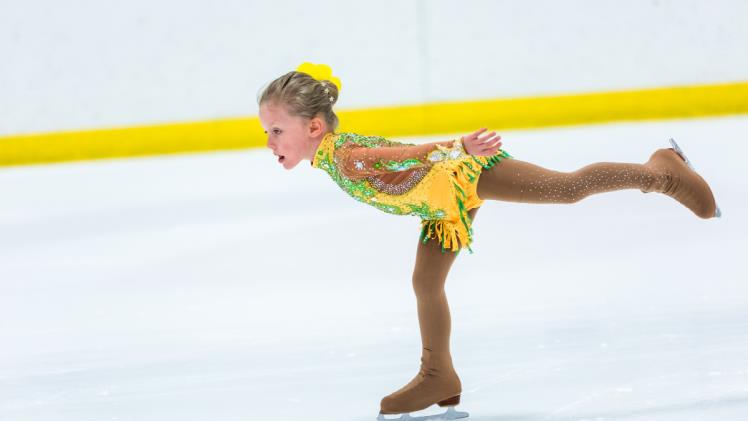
(402, 186)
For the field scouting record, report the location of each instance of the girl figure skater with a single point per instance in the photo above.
(444, 183)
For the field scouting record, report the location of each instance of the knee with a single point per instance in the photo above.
(424, 285)
(573, 192)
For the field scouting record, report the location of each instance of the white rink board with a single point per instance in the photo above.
(82, 64)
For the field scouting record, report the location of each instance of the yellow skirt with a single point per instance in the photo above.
(455, 230)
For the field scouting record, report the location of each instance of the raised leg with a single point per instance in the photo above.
(513, 180)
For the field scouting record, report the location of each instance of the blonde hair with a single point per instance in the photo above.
(303, 96)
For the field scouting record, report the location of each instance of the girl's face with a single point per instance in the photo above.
(291, 138)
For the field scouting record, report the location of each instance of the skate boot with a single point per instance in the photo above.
(434, 384)
(681, 182)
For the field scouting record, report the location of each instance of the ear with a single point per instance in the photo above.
(316, 127)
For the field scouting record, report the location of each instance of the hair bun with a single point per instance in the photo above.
(319, 72)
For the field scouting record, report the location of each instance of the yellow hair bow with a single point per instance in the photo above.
(319, 72)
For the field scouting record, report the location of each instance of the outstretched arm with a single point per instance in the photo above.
(359, 162)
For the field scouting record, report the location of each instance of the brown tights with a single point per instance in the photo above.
(514, 181)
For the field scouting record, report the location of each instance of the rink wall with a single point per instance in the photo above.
(86, 80)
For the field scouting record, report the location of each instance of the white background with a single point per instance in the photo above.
(83, 64)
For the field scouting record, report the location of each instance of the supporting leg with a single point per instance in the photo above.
(437, 380)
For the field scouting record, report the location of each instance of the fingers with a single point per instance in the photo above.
(491, 146)
(491, 149)
(488, 137)
(485, 150)
(491, 142)
(488, 144)
(476, 133)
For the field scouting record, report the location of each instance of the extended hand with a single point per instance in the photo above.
(481, 146)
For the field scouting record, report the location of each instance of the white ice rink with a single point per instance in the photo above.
(222, 287)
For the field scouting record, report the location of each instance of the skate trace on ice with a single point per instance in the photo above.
(450, 414)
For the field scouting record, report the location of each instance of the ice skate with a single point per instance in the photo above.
(450, 414)
(683, 183)
(436, 383)
(717, 211)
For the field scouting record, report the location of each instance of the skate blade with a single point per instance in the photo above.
(717, 212)
(451, 414)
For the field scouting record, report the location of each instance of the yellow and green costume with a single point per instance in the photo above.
(435, 181)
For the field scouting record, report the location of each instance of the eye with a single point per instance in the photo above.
(276, 131)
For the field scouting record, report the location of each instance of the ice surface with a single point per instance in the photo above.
(222, 287)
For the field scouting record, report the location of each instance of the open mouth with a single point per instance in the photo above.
(281, 158)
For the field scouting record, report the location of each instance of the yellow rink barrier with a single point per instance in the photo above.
(407, 120)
